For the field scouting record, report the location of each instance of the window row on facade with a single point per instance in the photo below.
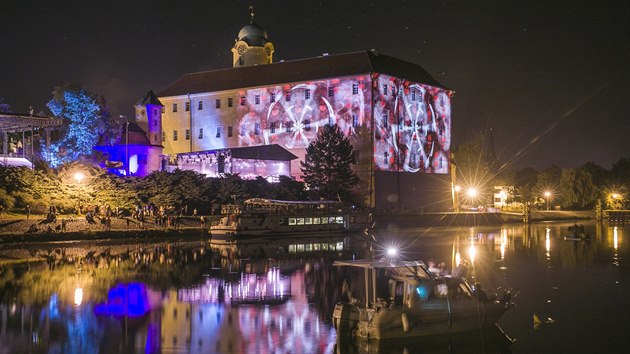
(257, 99)
(230, 133)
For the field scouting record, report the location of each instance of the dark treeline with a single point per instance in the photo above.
(22, 188)
(577, 188)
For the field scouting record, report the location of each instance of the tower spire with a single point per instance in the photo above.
(251, 13)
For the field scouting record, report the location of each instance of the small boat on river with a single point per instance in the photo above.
(268, 217)
(402, 299)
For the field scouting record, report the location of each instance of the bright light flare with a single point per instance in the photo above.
(471, 192)
(392, 252)
(79, 176)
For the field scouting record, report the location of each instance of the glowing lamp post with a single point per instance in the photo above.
(547, 195)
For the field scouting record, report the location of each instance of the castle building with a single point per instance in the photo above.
(395, 113)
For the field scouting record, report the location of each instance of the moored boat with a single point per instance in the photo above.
(269, 217)
(402, 299)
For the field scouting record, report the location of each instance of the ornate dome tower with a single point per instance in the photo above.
(252, 46)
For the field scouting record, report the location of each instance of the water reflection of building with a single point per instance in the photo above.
(232, 316)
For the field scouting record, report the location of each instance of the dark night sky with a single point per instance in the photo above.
(552, 78)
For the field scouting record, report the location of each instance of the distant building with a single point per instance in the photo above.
(395, 113)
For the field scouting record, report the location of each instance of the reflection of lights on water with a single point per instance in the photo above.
(78, 296)
(503, 243)
(615, 238)
(548, 243)
(472, 252)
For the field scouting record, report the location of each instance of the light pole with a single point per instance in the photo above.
(547, 195)
(127, 148)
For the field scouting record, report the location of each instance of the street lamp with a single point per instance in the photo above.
(547, 195)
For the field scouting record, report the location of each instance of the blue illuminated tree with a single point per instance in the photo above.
(5, 107)
(87, 120)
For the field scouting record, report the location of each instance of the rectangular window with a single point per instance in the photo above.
(288, 126)
(217, 103)
(257, 129)
(413, 95)
(187, 106)
(307, 125)
(384, 119)
(200, 133)
(230, 131)
(155, 123)
(242, 100)
(230, 102)
(273, 97)
(385, 156)
(218, 135)
(384, 89)
(287, 96)
(355, 88)
(257, 99)
(307, 94)
(355, 120)
(174, 135)
(187, 134)
(174, 107)
(272, 127)
(200, 105)
(331, 91)
(163, 136)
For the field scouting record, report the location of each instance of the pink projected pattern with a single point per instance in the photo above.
(412, 126)
(291, 115)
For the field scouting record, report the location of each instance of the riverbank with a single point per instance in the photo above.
(409, 219)
(16, 229)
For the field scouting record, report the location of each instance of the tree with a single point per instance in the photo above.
(87, 120)
(327, 166)
(5, 107)
(474, 165)
(577, 188)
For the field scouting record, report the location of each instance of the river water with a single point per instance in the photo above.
(192, 296)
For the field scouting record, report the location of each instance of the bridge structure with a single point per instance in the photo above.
(17, 136)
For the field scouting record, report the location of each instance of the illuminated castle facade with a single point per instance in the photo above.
(395, 113)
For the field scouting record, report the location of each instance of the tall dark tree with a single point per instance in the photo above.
(474, 162)
(327, 166)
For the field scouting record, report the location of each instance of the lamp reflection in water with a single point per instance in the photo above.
(547, 244)
(503, 243)
(78, 296)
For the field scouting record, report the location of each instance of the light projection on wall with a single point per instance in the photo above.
(412, 126)
(291, 116)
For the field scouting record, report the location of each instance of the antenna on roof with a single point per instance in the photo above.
(251, 12)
